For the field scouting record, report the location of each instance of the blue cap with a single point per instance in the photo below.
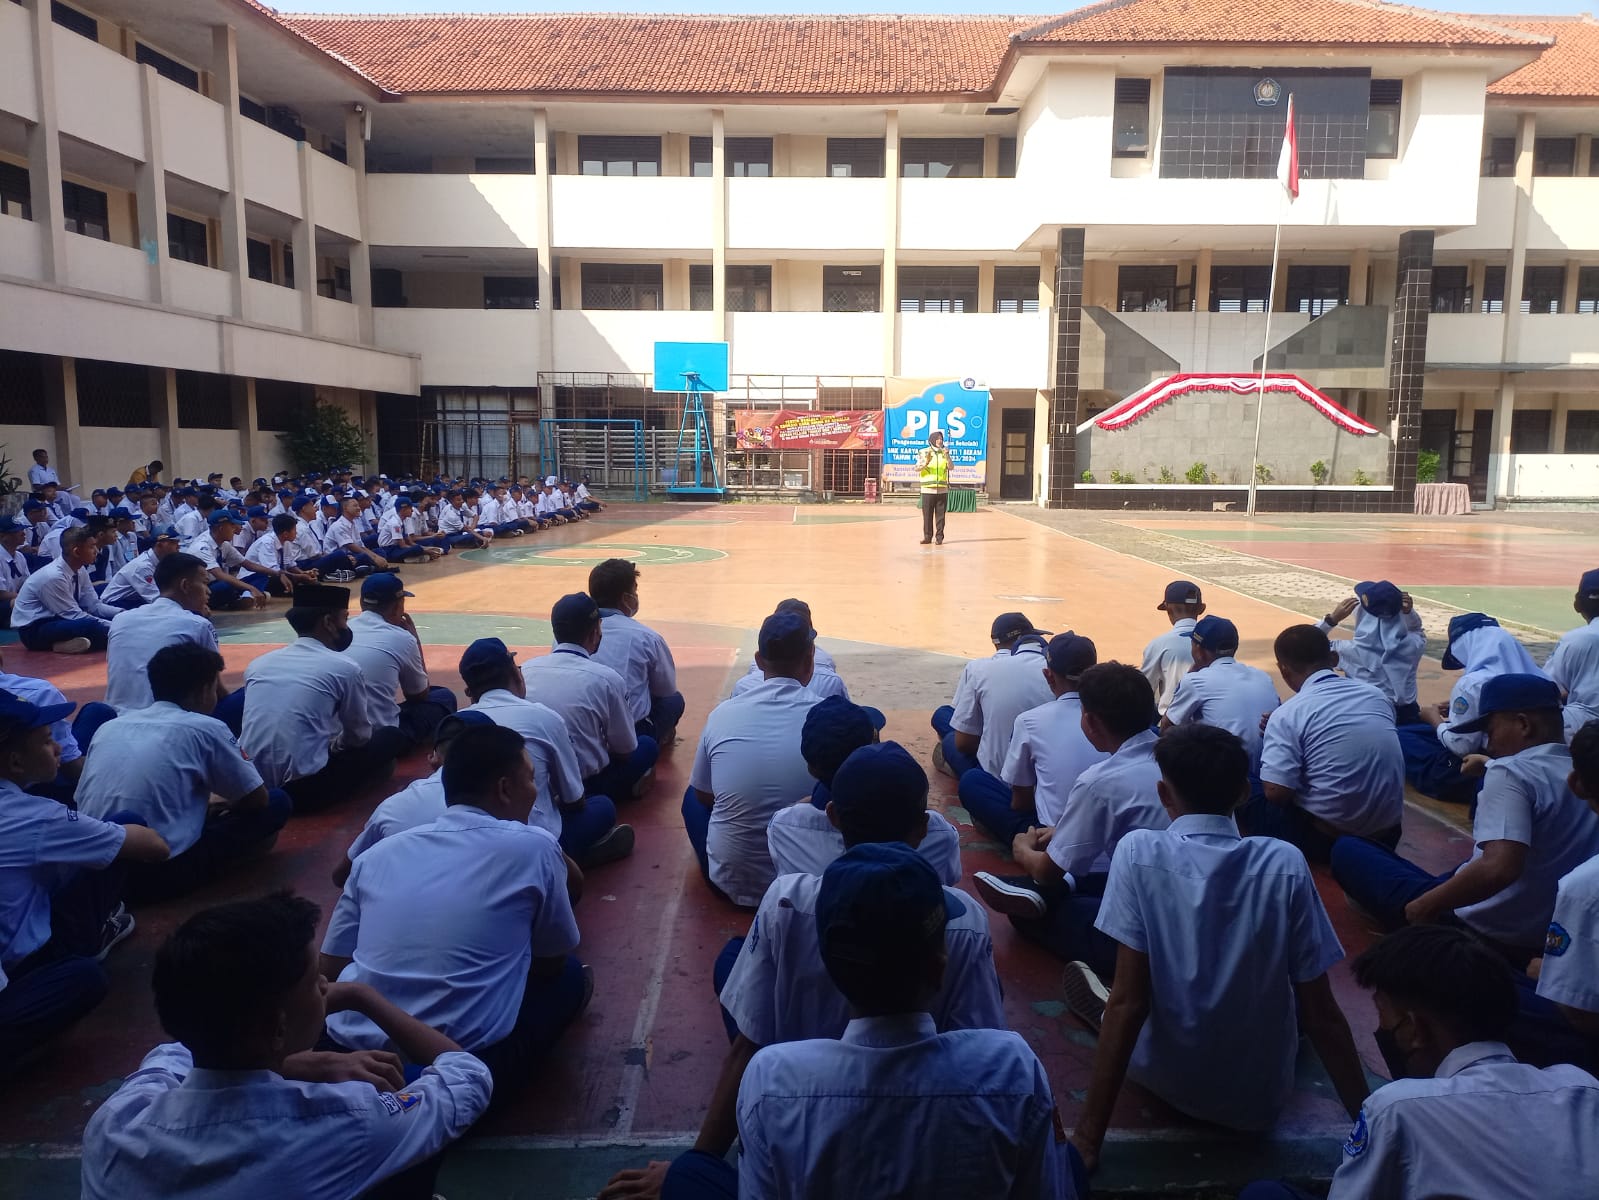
(784, 636)
(1511, 693)
(881, 904)
(1070, 654)
(834, 729)
(384, 586)
(333, 500)
(1588, 585)
(1216, 634)
(485, 654)
(403, 501)
(285, 495)
(120, 514)
(82, 514)
(1179, 592)
(113, 492)
(458, 722)
(19, 716)
(222, 516)
(1380, 599)
(256, 510)
(573, 615)
(167, 533)
(33, 505)
(14, 525)
(1458, 628)
(882, 784)
(1011, 624)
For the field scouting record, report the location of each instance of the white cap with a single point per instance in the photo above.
(550, 481)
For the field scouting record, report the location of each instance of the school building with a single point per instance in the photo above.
(213, 215)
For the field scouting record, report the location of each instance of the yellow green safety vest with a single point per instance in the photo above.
(936, 473)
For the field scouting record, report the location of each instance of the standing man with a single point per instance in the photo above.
(932, 468)
(1168, 657)
(41, 472)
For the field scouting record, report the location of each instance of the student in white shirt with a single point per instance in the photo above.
(1574, 663)
(1530, 829)
(636, 652)
(57, 607)
(1168, 657)
(343, 537)
(272, 563)
(585, 499)
(257, 524)
(180, 613)
(1048, 751)
(990, 696)
(1222, 691)
(1462, 1117)
(186, 516)
(215, 549)
(506, 981)
(13, 564)
(41, 472)
(749, 765)
(592, 699)
(825, 679)
(134, 585)
(1056, 897)
(1388, 645)
(388, 650)
(395, 541)
(458, 523)
(306, 724)
(170, 762)
(238, 1105)
(1223, 949)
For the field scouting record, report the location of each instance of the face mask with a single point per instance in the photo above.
(1395, 1058)
(345, 639)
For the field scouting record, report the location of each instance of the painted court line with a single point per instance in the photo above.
(638, 1068)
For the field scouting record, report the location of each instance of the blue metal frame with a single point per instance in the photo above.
(697, 369)
(549, 447)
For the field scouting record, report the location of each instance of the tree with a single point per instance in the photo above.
(326, 441)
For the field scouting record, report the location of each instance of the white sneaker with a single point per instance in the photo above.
(1086, 994)
(119, 927)
(77, 645)
(1012, 895)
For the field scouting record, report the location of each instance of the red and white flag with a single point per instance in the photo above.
(1288, 160)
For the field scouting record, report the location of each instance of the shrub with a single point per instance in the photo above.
(1319, 472)
(1166, 476)
(1123, 477)
(1262, 473)
(1088, 477)
(1198, 473)
(1427, 466)
(327, 441)
(1362, 479)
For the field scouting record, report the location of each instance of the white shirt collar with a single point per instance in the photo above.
(1469, 1055)
(1204, 825)
(902, 1029)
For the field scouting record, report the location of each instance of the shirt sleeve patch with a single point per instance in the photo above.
(1358, 1137)
(1462, 706)
(399, 1102)
(1557, 941)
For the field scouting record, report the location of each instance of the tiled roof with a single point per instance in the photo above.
(1569, 69)
(1273, 22)
(644, 55)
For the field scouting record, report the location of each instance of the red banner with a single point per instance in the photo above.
(804, 429)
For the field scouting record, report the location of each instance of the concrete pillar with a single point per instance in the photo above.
(1515, 273)
(44, 153)
(151, 182)
(985, 285)
(368, 402)
(242, 399)
(1479, 280)
(1499, 439)
(164, 412)
(1558, 408)
(304, 242)
(1202, 280)
(62, 400)
(719, 318)
(1066, 327)
(225, 73)
(1359, 275)
(990, 158)
(360, 251)
(890, 287)
(545, 314)
(1568, 301)
(1584, 164)
(1407, 362)
(1046, 291)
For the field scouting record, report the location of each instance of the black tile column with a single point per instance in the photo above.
(1407, 360)
(1068, 330)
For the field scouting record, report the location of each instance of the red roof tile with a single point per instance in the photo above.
(1568, 70)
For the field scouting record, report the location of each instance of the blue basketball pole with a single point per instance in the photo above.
(702, 366)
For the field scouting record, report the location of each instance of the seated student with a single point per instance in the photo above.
(1048, 751)
(1530, 829)
(166, 762)
(1168, 657)
(1480, 648)
(1330, 760)
(41, 693)
(306, 725)
(1055, 902)
(257, 524)
(505, 982)
(1462, 1117)
(124, 547)
(395, 541)
(1574, 663)
(385, 645)
(271, 560)
(1219, 690)
(309, 555)
(1223, 948)
(180, 613)
(57, 607)
(825, 679)
(1388, 645)
(585, 501)
(215, 549)
(636, 652)
(343, 536)
(817, 1118)
(805, 837)
(187, 518)
(988, 701)
(749, 765)
(134, 585)
(14, 566)
(458, 523)
(61, 877)
(592, 699)
(586, 825)
(239, 1106)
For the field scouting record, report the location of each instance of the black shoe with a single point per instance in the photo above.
(927, 541)
(1013, 895)
(1086, 994)
(616, 844)
(938, 541)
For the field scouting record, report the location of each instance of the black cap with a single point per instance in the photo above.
(1012, 624)
(1180, 592)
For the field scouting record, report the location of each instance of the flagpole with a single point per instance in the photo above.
(1291, 155)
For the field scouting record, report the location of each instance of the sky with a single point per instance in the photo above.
(1019, 7)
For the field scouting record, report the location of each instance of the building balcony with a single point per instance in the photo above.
(1003, 350)
(463, 347)
(647, 213)
(807, 343)
(976, 215)
(1541, 339)
(1465, 338)
(807, 214)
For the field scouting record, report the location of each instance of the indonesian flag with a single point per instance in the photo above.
(1288, 160)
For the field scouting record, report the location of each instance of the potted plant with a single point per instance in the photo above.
(10, 487)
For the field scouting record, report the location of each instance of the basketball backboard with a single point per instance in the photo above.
(691, 366)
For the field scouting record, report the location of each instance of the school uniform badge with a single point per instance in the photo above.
(1358, 1137)
(1462, 706)
(399, 1102)
(1557, 941)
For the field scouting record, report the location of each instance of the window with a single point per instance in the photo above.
(71, 18)
(288, 266)
(168, 68)
(337, 151)
(855, 158)
(1015, 289)
(1239, 289)
(186, 240)
(1149, 289)
(619, 156)
(1493, 290)
(745, 157)
(1382, 118)
(1499, 157)
(1543, 289)
(1005, 168)
(1451, 289)
(510, 291)
(622, 285)
(85, 211)
(749, 289)
(1131, 119)
(514, 165)
(941, 158)
(281, 406)
(1554, 156)
(852, 289)
(252, 110)
(1582, 431)
(1316, 290)
(1588, 290)
(258, 256)
(388, 288)
(1529, 431)
(16, 191)
(113, 395)
(285, 121)
(205, 401)
(938, 289)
